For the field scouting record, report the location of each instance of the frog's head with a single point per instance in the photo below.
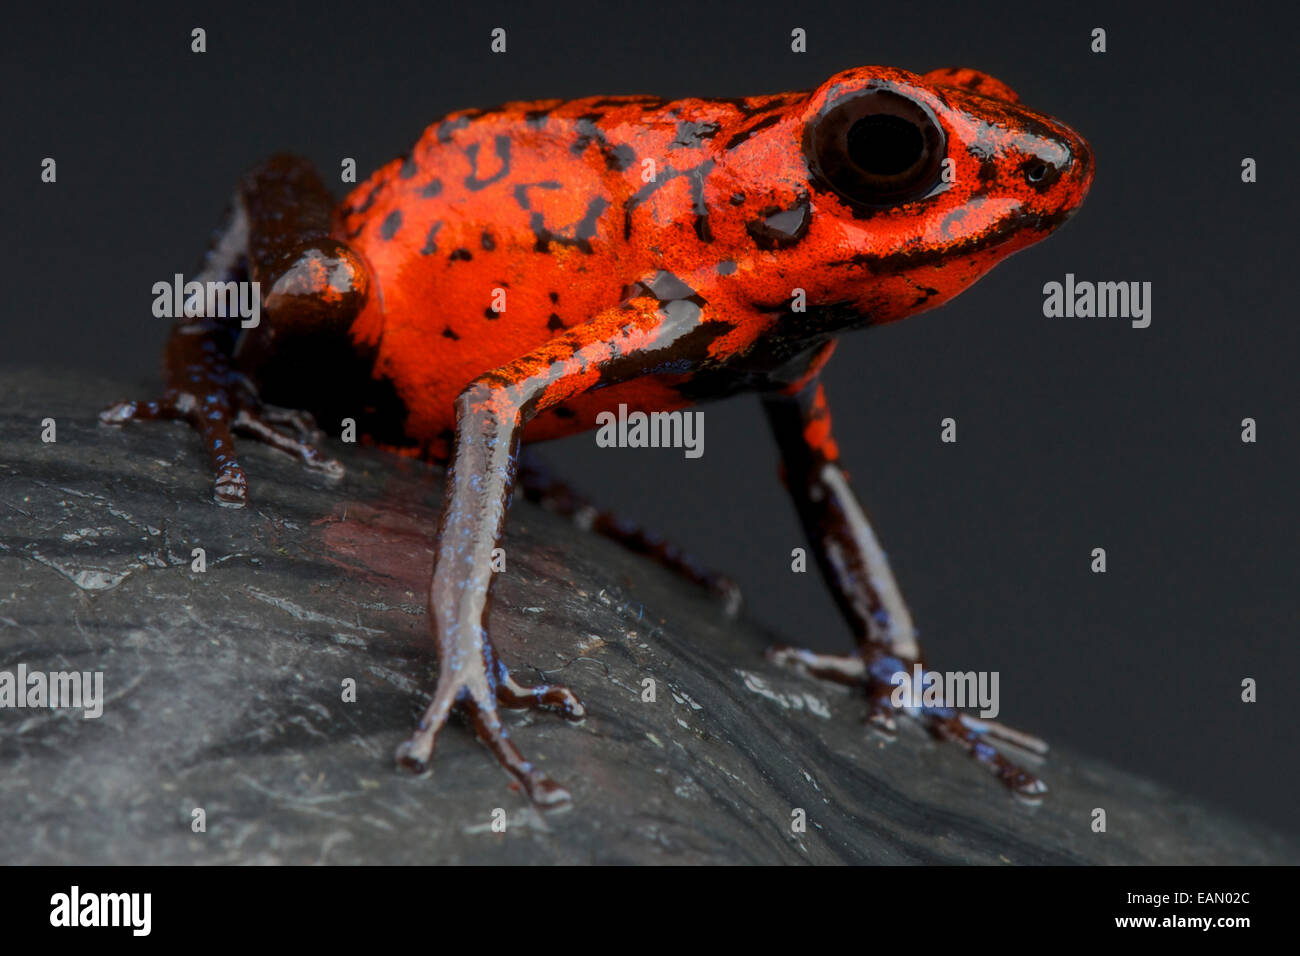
(915, 186)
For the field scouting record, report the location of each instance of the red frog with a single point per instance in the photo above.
(527, 267)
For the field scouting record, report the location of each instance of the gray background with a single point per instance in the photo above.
(1074, 433)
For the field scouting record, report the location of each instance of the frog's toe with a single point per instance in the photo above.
(258, 425)
(556, 697)
(842, 668)
(132, 410)
(947, 724)
(118, 414)
(416, 752)
(302, 422)
(541, 789)
(850, 669)
(411, 757)
(230, 486)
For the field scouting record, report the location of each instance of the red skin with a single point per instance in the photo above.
(732, 268)
(430, 368)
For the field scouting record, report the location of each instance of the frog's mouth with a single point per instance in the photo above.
(1006, 235)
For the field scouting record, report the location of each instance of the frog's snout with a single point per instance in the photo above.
(1074, 172)
(1062, 168)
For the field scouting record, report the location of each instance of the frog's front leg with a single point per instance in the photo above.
(620, 344)
(279, 234)
(855, 568)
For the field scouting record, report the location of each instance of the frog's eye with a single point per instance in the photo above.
(876, 149)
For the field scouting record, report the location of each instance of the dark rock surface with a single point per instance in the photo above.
(223, 690)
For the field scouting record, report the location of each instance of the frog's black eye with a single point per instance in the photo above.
(876, 148)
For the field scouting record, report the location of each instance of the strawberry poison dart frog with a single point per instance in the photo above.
(527, 267)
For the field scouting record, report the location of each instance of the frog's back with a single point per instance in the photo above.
(502, 228)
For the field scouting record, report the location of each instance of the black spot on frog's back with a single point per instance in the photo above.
(691, 135)
(766, 122)
(431, 240)
(474, 182)
(392, 222)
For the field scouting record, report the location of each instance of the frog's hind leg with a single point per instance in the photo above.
(278, 236)
(541, 487)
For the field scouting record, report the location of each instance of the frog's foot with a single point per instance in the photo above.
(470, 692)
(217, 418)
(878, 674)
